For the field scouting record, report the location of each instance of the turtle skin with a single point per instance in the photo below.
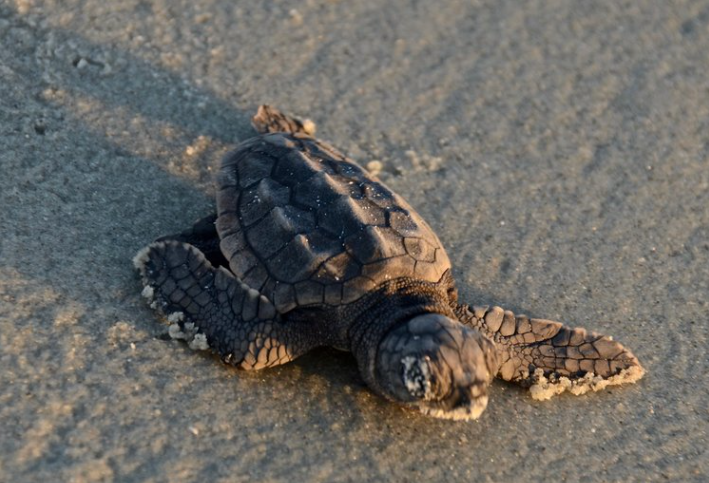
(308, 249)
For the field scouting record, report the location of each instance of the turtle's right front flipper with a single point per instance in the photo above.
(551, 357)
(211, 309)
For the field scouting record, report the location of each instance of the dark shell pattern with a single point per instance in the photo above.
(306, 226)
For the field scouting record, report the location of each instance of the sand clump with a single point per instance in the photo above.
(544, 388)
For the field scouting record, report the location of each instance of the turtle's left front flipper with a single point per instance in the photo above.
(550, 357)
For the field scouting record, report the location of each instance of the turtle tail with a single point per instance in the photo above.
(550, 357)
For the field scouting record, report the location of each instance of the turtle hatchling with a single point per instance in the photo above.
(308, 249)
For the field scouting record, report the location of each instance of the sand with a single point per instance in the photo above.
(560, 150)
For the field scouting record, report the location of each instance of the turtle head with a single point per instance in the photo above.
(437, 365)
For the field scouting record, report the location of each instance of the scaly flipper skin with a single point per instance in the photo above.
(551, 357)
(211, 309)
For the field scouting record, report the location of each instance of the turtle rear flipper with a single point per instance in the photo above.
(211, 309)
(269, 119)
(550, 357)
(203, 236)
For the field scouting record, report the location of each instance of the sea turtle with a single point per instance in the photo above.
(307, 249)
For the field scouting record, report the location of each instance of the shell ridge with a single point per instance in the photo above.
(332, 208)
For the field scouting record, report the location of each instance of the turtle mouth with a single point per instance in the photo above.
(463, 405)
(438, 393)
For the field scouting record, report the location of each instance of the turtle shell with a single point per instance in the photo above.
(306, 226)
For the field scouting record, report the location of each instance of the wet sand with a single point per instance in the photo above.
(559, 149)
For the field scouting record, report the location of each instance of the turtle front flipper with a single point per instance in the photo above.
(269, 119)
(211, 309)
(550, 357)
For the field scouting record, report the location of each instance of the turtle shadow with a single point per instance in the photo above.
(107, 195)
(108, 198)
(106, 180)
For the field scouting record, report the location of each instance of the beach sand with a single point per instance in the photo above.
(559, 149)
